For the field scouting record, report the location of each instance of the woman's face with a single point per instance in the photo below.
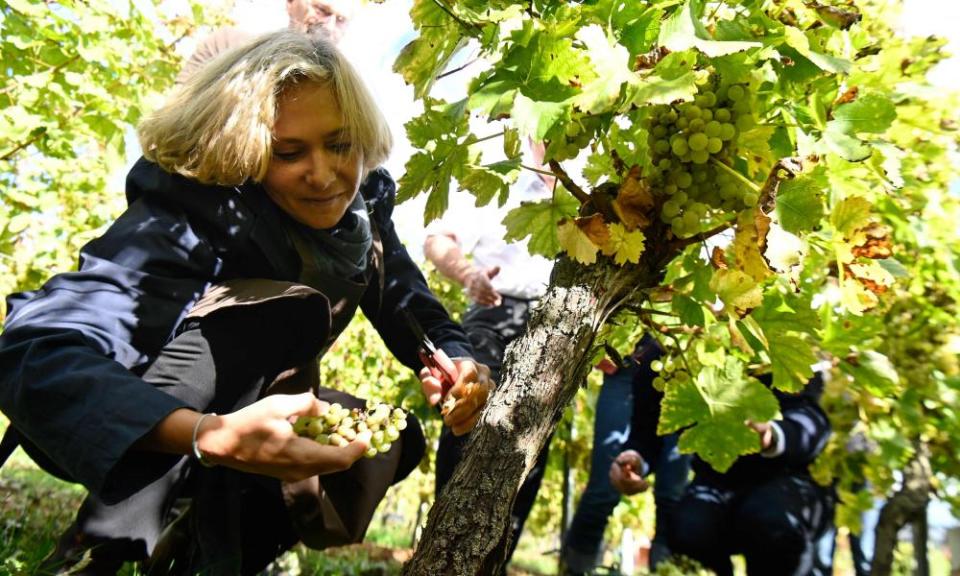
(315, 169)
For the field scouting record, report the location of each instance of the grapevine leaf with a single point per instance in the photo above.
(875, 373)
(511, 143)
(784, 250)
(799, 205)
(534, 119)
(848, 147)
(634, 202)
(894, 267)
(431, 172)
(720, 401)
(488, 182)
(850, 216)
(637, 24)
(682, 406)
(688, 310)
(595, 229)
(610, 62)
(791, 358)
(683, 30)
(782, 314)
(855, 298)
(797, 40)
(424, 58)
(653, 89)
(737, 289)
(870, 113)
(625, 246)
(538, 220)
(746, 246)
(439, 120)
(719, 441)
(495, 97)
(754, 146)
(575, 243)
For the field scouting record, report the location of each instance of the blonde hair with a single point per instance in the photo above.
(217, 127)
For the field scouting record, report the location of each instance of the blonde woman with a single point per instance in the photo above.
(173, 362)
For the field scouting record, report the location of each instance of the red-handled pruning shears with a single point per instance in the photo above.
(436, 360)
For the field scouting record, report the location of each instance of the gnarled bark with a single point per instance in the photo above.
(467, 530)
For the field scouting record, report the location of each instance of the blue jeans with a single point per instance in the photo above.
(583, 545)
(611, 428)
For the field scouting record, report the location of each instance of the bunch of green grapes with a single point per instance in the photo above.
(688, 141)
(577, 135)
(339, 426)
(669, 369)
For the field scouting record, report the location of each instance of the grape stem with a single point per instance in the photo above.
(701, 237)
(568, 182)
(737, 175)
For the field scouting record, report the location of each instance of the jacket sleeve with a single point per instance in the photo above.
(405, 286)
(646, 405)
(71, 351)
(805, 425)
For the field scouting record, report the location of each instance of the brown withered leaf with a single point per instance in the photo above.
(718, 259)
(595, 229)
(878, 244)
(847, 97)
(876, 283)
(634, 202)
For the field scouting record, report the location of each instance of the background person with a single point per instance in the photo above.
(766, 506)
(503, 281)
(583, 543)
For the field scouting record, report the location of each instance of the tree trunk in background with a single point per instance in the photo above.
(467, 529)
(921, 534)
(902, 507)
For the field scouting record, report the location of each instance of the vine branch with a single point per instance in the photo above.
(568, 182)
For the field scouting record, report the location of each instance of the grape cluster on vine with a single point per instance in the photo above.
(339, 426)
(670, 370)
(692, 146)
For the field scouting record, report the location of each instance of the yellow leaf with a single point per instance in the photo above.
(625, 246)
(595, 229)
(736, 289)
(748, 242)
(855, 298)
(576, 244)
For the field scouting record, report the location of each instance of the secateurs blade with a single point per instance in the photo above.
(436, 360)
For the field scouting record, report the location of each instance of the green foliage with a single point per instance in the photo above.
(76, 76)
(846, 152)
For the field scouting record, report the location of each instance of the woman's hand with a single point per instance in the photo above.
(260, 439)
(625, 473)
(465, 400)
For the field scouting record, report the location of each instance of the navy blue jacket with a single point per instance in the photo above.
(71, 352)
(805, 427)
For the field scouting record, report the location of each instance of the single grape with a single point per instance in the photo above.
(679, 146)
(721, 115)
(670, 209)
(699, 156)
(572, 129)
(697, 142)
(714, 145)
(727, 132)
(735, 92)
(712, 129)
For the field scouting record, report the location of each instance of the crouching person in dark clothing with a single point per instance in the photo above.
(766, 506)
(172, 365)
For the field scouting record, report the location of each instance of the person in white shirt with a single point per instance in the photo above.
(503, 281)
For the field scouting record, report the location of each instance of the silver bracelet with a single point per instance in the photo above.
(193, 443)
